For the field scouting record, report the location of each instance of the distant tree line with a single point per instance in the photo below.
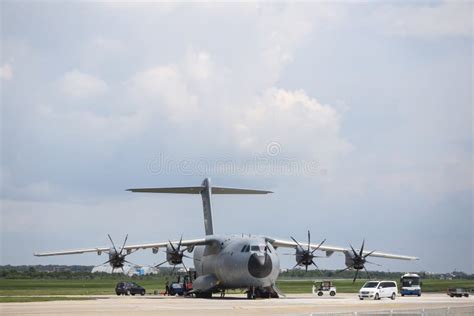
(84, 272)
(335, 274)
(70, 272)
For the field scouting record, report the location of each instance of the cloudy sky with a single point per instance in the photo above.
(358, 117)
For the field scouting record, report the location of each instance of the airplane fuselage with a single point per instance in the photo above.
(236, 261)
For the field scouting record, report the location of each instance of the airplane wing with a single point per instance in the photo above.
(330, 249)
(130, 248)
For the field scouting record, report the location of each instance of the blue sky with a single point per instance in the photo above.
(357, 116)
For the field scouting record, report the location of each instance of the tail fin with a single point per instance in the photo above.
(206, 191)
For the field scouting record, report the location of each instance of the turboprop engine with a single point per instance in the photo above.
(175, 254)
(305, 255)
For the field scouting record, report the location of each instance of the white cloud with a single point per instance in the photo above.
(77, 84)
(163, 90)
(299, 123)
(6, 72)
(448, 18)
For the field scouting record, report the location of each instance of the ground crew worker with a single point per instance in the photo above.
(167, 287)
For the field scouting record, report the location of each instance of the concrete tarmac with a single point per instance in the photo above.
(297, 304)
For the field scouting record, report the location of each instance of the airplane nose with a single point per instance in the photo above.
(260, 266)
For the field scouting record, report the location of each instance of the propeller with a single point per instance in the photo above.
(116, 257)
(175, 255)
(305, 256)
(359, 259)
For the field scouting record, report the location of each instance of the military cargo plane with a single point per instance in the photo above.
(232, 261)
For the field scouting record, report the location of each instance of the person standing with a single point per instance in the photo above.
(167, 287)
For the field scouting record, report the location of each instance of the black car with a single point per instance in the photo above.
(129, 288)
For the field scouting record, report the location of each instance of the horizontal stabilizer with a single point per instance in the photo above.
(206, 190)
(221, 190)
(198, 190)
(182, 190)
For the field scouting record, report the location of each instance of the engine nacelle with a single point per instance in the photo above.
(173, 255)
(116, 260)
(353, 261)
(300, 257)
(349, 259)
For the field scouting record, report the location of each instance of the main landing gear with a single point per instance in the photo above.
(258, 292)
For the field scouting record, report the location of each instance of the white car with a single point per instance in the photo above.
(378, 289)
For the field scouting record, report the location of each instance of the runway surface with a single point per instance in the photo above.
(236, 305)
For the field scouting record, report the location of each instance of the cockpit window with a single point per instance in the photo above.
(243, 248)
(259, 248)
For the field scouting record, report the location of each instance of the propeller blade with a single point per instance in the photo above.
(362, 248)
(105, 262)
(368, 274)
(355, 277)
(296, 242)
(185, 269)
(355, 253)
(365, 256)
(124, 242)
(180, 240)
(297, 264)
(309, 239)
(189, 257)
(314, 263)
(161, 264)
(373, 263)
(172, 246)
(134, 264)
(345, 269)
(322, 242)
(112, 243)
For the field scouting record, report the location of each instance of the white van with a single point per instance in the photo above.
(378, 289)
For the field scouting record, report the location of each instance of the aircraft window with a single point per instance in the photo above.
(255, 248)
(268, 249)
(243, 248)
(248, 248)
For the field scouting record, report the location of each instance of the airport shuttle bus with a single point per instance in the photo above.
(410, 284)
